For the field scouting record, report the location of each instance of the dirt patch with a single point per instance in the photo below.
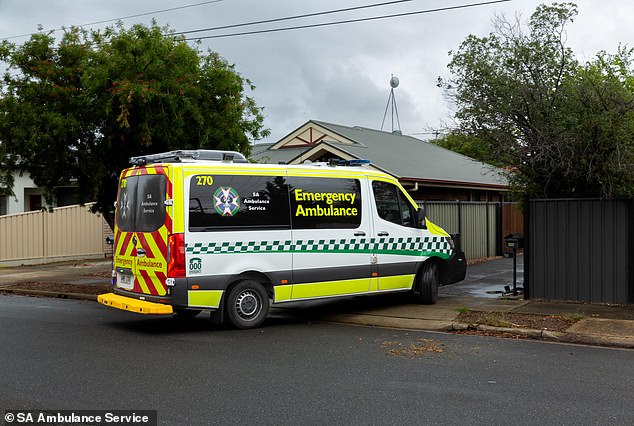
(517, 320)
(54, 287)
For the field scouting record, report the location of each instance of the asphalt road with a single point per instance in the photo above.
(65, 354)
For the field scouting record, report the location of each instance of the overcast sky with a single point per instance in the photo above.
(339, 73)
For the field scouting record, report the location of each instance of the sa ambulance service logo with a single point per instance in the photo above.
(226, 201)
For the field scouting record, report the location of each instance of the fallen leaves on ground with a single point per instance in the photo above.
(414, 349)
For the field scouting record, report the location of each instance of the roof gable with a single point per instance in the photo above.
(310, 134)
(404, 157)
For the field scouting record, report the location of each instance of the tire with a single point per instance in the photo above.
(185, 314)
(247, 305)
(426, 289)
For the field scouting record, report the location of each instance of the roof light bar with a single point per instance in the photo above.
(188, 154)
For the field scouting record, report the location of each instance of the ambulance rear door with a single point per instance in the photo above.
(142, 224)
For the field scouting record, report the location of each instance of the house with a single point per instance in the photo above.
(29, 197)
(427, 171)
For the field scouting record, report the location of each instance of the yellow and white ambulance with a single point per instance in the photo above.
(206, 230)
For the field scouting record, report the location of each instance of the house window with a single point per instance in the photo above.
(3, 206)
(35, 202)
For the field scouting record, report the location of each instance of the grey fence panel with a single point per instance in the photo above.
(475, 222)
(444, 215)
(474, 229)
(580, 250)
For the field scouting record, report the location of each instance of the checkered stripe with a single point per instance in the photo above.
(435, 245)
(240, 247)
(343, 244)
(415, 245)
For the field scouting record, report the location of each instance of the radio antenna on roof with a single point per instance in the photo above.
(391, 100)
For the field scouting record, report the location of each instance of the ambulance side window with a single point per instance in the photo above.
(325, 203)
(392, 205)
(226, 202)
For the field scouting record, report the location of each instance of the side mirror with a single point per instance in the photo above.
(109, 240)
(420, 218)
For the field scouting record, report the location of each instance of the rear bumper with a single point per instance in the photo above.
(134, 305)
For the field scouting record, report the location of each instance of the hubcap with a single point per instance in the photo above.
(248, 304)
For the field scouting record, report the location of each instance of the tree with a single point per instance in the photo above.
(470, 146)
(552, 120)
(78, 109)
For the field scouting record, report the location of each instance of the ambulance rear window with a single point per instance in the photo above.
(140, 205)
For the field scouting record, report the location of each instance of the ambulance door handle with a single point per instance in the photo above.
(140, 252)
(383, 234)
(359, 234)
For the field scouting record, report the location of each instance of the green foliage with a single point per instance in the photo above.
(564, 129)
(470, 146)
(77, 109)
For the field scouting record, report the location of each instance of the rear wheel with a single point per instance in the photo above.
(426, 289)
(247, 304)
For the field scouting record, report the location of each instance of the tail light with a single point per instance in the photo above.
(176, 256)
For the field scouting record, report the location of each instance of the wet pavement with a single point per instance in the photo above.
(482, 290)
(488, 279)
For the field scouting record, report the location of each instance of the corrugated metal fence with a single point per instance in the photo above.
(482, 226)
(39, 237)
(580, 250)
(74, 232)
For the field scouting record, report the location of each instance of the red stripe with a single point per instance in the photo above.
(169, 190)
(125, 243)
(137, 286)
(148, 281)
(158, 240)
(145, 245)
(163, 170)
(168, 223)
(161, 277)
(169, 186)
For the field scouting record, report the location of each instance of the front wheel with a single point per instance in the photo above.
(247, 304)
(426, 288)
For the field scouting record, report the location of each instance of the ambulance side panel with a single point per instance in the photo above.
(331, 231)
(237, 226)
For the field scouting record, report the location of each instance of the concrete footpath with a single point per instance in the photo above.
(480, 291)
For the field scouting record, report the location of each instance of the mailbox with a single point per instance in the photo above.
(514, 241)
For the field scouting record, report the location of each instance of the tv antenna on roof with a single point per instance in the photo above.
(391, 100)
